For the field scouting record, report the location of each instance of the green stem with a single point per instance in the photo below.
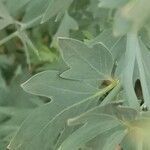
(6, 39)
(106, 89)
(112, 95)
(22, 28)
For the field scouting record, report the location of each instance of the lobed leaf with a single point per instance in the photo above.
(96, 61)
(63, 91)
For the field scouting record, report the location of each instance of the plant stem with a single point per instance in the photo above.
(106, 89)
(6, 39)
(112, 94)
(22, 28)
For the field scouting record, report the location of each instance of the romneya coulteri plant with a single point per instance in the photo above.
(99, 97)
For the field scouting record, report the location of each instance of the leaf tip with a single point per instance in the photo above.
(8, 147)
(23, 85)
(42, 21)
(61, 39)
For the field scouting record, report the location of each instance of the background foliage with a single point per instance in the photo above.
(83, 67)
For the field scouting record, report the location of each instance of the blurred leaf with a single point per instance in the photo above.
(66, 25)
(15, 9)
(132, 17)
(4, 13)
(46, 54)
(35, 9)
(5, 18)
(4, 23)
(56, 8)
(112, 3)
